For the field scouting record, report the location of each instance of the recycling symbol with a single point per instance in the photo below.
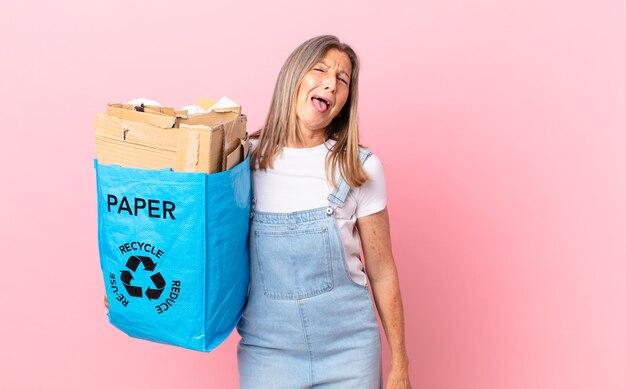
(148, 265)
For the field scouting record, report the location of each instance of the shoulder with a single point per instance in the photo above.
(253, 141)
(371, 197)
(373, 166)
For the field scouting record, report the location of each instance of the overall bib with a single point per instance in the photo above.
(307, 323)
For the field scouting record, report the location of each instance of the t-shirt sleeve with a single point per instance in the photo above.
(372, 195)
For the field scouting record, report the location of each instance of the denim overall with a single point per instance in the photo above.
(307, 323)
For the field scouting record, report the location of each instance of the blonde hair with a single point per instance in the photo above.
(280, 126)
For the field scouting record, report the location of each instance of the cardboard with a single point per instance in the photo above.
(200, 148)
(238, 154)
(205, 103)
(234, 122)
(152, 109)
(246, 145)
(234, 157)
(134, 144)
(154, 137)
(157, 119)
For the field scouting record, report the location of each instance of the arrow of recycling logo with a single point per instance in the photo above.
(148, 265)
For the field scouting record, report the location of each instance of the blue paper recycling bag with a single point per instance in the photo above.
(174, 252)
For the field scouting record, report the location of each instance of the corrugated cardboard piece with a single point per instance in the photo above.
(155, 137)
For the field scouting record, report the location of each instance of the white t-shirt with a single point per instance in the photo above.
(298, 182)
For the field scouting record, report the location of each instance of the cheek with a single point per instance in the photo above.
(344, 99)
(301, 97)
(307, 82)
(303, 91)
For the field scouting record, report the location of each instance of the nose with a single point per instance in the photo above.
(330, 82)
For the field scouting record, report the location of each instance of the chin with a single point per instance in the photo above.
(318, 129)
(316, 126)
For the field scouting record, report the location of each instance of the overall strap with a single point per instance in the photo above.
(252, 198)
(338, 197)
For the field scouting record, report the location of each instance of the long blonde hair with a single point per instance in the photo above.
(280, 126)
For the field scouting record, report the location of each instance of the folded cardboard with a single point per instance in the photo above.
(155, 137)
(237, 154)
(157, 119)
(200, 148)
(134, 144)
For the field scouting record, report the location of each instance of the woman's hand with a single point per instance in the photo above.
(106, 301)
(398, 378)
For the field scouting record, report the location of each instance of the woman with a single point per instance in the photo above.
(309, 319)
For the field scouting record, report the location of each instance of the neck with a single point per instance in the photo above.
(309, 139)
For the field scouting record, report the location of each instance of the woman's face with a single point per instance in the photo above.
(323, 91)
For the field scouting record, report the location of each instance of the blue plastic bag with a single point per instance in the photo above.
(174, 252)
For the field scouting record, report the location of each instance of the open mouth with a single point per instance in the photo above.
(320, 103)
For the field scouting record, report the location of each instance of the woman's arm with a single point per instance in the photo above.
(381, 269)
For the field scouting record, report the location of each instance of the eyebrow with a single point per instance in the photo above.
(340, 70)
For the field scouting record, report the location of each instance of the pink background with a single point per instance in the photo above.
(501, 125)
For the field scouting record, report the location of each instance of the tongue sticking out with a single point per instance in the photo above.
(319, 105)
